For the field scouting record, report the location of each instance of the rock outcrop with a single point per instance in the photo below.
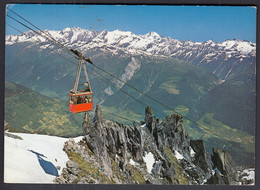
(227, 171)
(158, 152)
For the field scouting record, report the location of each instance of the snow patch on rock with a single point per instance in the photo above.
(250, 174)
(178, 155)
(132, 162)
(149, 160)
(192, 153)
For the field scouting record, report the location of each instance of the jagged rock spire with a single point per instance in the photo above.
(148, 113)
(87, 124)
(224, 162)
(118, 153)
(99, 117)
(202, 157)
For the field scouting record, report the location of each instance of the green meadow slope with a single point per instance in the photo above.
(30, 112)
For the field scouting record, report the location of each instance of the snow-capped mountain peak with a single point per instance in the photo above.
(152, 35)
(151, 44)
(126, 39)
(242, 46)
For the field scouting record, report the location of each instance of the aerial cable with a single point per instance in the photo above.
(118, 116)
(136, 90)
(15, 28)
(120, 89)
(38, 33)
(79, 54)
(24, 25)
(75, 52)
(38, 28)
(106, 79)
(74, 64)
(48, 39)
(125, 83)
(88, 60)
(39, 42)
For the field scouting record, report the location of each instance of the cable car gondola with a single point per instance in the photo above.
(81, 100)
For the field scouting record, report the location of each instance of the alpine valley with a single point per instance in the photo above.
(211, 83)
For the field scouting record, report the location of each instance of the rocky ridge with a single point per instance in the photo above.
(158, 152)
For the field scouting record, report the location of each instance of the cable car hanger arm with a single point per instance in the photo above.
(81, 56)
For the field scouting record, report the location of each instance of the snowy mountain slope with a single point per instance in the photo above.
(150, 43)
(222, 58)
(34, 158)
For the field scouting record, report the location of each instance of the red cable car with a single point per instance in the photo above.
(81, 101)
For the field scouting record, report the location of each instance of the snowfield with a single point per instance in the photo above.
(34, 159)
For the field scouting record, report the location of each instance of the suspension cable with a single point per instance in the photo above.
(125, 83)
(105, 79)
(51, 40)
(120, 89)
(49, 37)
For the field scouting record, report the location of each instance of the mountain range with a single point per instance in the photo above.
(212, 83)
(222, 58)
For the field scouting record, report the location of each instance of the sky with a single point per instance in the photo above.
(195, 23)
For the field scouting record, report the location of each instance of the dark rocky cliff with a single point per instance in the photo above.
(158, 152)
